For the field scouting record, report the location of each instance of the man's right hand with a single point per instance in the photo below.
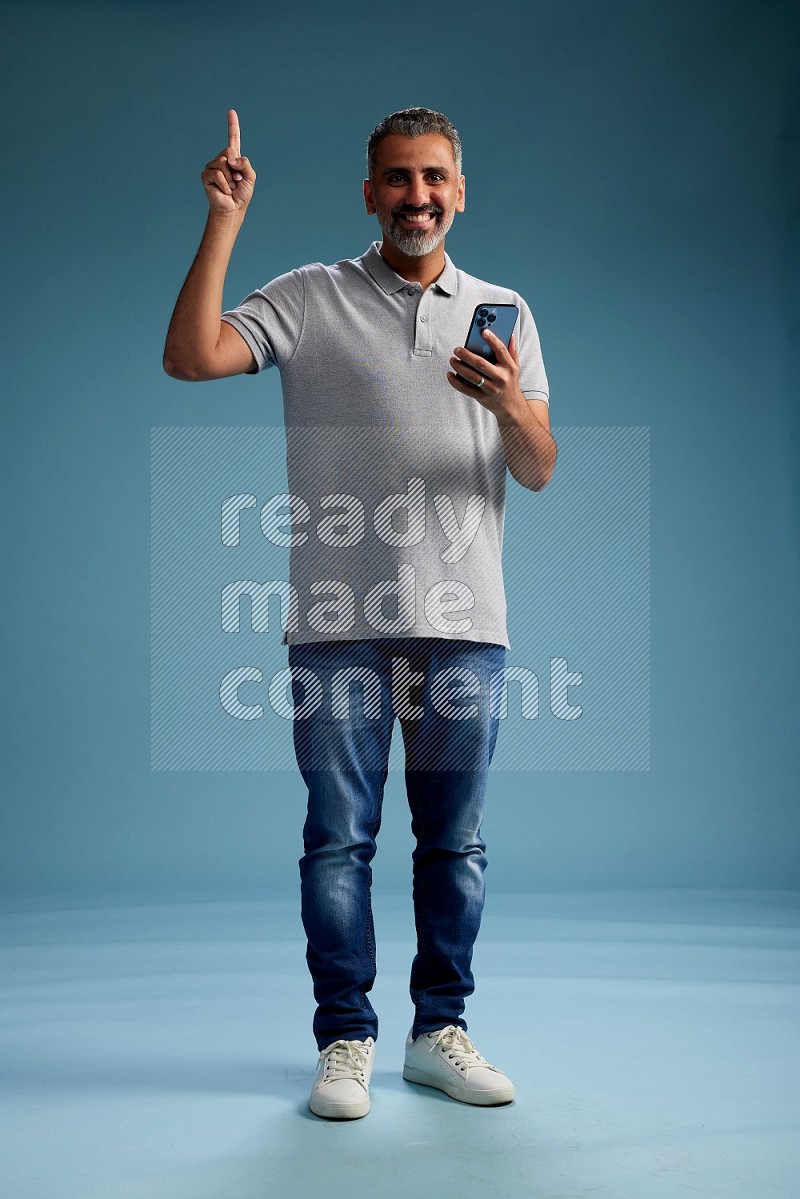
(229, 179)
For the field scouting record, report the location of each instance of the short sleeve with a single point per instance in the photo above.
(271, 320)
(532, 376)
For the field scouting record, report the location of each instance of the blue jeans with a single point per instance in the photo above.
(449, 736)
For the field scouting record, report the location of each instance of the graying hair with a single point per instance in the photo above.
(413, 122)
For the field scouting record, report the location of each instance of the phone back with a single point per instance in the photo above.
(500, 318)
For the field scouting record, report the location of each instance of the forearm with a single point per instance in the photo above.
(529, 448)
(194, 329)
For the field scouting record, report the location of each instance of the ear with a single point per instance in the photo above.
(369, 198)
(461, 201)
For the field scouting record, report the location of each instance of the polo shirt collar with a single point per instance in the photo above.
(390, 281)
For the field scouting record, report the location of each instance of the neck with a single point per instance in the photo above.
(424, 269)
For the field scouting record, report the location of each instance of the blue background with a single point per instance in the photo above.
(632, 169)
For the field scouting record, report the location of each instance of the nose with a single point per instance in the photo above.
(418, 194)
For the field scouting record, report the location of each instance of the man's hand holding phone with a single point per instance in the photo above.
(494, 386)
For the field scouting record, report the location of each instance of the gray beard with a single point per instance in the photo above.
(414, 245)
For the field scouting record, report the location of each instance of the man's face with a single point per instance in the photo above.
(415, 177)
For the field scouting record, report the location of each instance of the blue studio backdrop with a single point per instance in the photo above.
(633, 170)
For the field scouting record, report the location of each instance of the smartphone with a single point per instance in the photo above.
(500, 318)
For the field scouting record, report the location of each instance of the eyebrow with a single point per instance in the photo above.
(407, 170)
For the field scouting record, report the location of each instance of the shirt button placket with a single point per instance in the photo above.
(424, 340)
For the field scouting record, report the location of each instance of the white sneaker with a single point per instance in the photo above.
(341, 1085)
(448, 1060)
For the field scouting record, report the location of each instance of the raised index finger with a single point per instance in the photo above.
(234, 137)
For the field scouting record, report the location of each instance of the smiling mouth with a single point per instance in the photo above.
(417, 219)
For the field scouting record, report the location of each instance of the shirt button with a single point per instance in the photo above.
(409, 291)
(423, 318)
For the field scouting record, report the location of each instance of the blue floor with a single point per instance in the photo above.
(166, 1053)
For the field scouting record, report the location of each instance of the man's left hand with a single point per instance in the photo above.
(500, 391)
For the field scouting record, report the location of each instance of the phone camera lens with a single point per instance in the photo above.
(483, 312)
(481, 322)
(492, 317)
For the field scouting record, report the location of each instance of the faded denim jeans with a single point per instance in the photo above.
(449, 734)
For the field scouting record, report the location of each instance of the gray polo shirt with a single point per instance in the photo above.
(396, 480)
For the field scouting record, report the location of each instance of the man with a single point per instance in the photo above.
(380, 396)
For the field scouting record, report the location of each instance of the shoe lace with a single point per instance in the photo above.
(345, 1059)
(456, 1044)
